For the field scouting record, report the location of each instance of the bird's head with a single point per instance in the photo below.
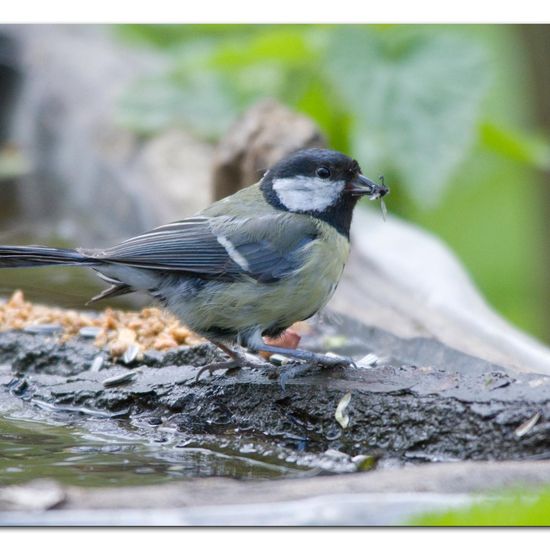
(323, 183)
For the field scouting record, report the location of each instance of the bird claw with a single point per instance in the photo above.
(213, 367)
(240, 361)
(291, 370)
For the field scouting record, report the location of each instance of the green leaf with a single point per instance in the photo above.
(319, 101)
(203, 104)
(526, 148)
(284, 45)
(207, 83)
(169, 36)
(415, 96)
(527, 508)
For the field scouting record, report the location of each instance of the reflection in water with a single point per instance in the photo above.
(35, 450)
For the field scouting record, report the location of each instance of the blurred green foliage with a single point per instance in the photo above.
(441, 111)
(397, 97)
(526, 508)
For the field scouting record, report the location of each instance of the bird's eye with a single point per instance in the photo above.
(323, 173)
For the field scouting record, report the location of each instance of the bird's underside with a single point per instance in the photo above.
(234, 344)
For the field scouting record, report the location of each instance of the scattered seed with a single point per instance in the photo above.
(131, 354)
(89, 332)
(335, 356)
(120, 379)
(114, 330)
(527, 426)
(97, 363)
(43, 329)
(368, 361)
(341, 418)
(278, 359)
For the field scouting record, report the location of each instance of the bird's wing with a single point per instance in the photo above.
(265, 248)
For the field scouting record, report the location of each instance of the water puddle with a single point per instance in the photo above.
(70, 454)
(38, 442)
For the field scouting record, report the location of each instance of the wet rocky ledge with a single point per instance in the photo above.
(424, 426)
(410, 400)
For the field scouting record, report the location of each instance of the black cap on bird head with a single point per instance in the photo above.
(322, 183)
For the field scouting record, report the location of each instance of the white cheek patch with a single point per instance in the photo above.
(305, 194)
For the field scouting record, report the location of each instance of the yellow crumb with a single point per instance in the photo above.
(149, 328)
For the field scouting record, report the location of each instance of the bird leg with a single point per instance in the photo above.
(238, 360)
(305, 358)
(301, 355)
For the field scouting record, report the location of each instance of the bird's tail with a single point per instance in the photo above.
(34, 256)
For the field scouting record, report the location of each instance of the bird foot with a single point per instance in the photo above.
(300, 361)
(290, 371)
(240, 360)
(294, 369)
(317, 359)
(213, 367)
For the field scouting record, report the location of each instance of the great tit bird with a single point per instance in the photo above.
(247, 266)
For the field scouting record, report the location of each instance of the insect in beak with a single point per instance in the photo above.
(383, 208)
(362, 186)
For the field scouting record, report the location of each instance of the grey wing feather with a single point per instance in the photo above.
(272, 245)
(188, 246)
(221, 248)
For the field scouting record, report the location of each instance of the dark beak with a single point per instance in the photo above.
(361, 186)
